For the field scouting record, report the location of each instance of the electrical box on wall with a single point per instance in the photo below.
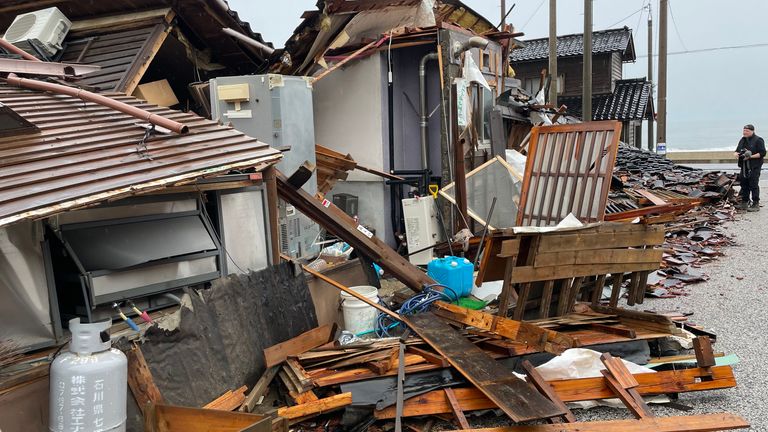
(277, 110)
(422, 228)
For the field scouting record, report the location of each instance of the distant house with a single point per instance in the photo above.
(614, 98)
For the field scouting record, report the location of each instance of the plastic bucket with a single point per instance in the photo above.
(359, 316)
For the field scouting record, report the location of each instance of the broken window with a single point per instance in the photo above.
(122, 258)
(495, 178)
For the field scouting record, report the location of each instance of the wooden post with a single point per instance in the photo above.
(661, 126)
(459, 174)
(270, 182)
(553, 52)
(586, 102)
(651, 144)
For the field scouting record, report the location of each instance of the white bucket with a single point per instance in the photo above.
(359, 316)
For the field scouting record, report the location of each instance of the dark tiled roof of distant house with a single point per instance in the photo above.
(604, 41)
(629, 101)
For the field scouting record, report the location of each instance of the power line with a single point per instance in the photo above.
(532, 15)
(674, 23)
(627, 17)
(639, 19)
(757, 45)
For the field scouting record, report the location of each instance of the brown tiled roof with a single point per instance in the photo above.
(86, 153)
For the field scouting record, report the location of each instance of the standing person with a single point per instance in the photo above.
(750, 151)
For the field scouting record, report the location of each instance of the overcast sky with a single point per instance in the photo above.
(711, 93)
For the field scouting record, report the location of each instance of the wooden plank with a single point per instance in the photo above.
(656, 200)
(563, 296)
(515, 397)
(574, 390)
(597, 291)
(624, 384)
(140, 380)
(526, 333)
(702, 347)
(522, 301)
(114, 21)
(590, 241)
(343, 226)
(317, 407)
(259, 389)
(546, 298)
(229, 401)
(429, 356)
(696, 423)
(598, 256)
(538, 381)
(618, 281)
(277, 354)
(456, 408)
(167, 418)
(533, 274)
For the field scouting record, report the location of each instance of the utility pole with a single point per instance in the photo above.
(503, 14)
(586, 103)
(553, 84)
(650, 74)
(662, 123)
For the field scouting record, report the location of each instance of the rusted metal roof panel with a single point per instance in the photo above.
(85, 154)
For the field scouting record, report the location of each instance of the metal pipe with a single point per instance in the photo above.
(16, 50)
(98, 99)
(250, 41)
(423, 107)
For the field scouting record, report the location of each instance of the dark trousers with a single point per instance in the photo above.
(749, 182)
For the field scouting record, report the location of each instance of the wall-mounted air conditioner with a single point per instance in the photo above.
(42, 30)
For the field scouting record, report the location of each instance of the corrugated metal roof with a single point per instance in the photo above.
(605, 41)
(629, 101)
(86, 154)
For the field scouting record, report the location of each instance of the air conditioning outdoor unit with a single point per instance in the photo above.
(39, 31)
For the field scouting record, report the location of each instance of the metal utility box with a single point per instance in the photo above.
(346, 202)
(422, 228)
(275, 109)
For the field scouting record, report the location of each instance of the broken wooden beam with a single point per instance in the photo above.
(338, 223)
(514, 396)
(259, 390)
(320, 406)
(278, 353)
(696, 423)
(574, 390)
(140, 381)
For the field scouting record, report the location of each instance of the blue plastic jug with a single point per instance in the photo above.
(454, 272)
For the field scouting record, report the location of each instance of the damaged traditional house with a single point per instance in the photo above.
(613, 97)
(386, 99)
(188, 241)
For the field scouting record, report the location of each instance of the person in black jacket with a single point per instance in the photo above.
(750, 152)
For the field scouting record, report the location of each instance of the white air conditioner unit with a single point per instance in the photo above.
(44, 29)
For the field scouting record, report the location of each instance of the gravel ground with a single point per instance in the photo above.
(732, 303)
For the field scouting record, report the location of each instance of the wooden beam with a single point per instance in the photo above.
(167, 418)
(228, 401)
(696, 423)
(530, 334)
(143, 58)
(538, 381)
(259, 389)
(515, 397)
(343, 226)
(456, 408)
(277, 354)
(317, 407)
(574, 390)
(112, 22)
(140, 381)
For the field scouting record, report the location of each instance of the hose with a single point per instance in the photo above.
(418, 303)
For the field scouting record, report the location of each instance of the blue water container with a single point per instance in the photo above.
(454, 272)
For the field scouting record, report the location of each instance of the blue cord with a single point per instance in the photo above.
(416, 304)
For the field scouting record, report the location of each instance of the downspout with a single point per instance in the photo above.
(423, 107)
(98, 99)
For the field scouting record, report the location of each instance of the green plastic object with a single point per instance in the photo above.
(471, 303)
